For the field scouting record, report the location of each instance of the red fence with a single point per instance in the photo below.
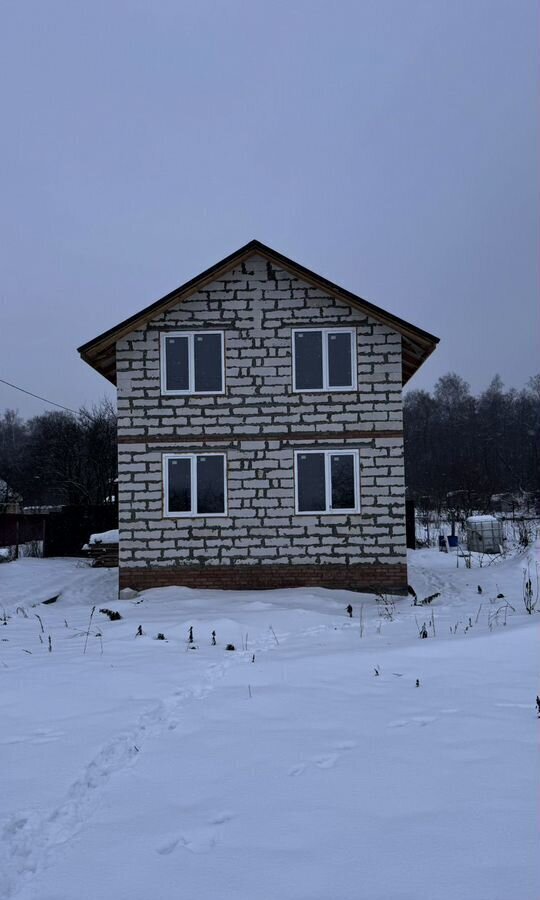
(20, 528)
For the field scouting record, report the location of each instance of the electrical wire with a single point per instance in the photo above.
(37, 397)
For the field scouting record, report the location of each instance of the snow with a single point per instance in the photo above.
(144, 768)
(105, 537)
(475, 520)
(31, 548)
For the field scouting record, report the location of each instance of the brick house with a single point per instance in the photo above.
(260, 431)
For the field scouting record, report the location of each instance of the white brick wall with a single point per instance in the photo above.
(257, 307)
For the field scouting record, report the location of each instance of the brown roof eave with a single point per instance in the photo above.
(96, 351)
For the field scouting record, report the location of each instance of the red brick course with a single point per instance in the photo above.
(362, 578)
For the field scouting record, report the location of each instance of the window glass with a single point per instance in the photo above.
(176, 364)
(308, 360)
(339, 359)
(179, 483)
(208, 362)
(342, 472)
(311, 482)
(210, 485)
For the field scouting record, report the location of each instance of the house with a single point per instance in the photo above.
(260, 431)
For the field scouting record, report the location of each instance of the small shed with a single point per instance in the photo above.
(484, 534)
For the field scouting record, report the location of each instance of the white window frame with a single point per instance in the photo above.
(328, 482)
(326, 388)
(191, 514)
(191, 335)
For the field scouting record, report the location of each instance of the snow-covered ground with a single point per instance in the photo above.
(304, 764)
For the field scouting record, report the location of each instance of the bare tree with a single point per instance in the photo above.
(61, 458)
(461, 449)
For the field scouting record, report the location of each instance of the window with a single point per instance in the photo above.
(195, 484)
(192, 362)
(324, 359)
(327, 481)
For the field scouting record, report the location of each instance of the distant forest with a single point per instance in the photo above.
(59, 458)
(460, 449)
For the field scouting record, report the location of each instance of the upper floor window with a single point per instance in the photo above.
(192, 362)
(327, 481)
(195, 484)
(324, 359)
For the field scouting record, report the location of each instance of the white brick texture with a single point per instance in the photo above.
(258, 422)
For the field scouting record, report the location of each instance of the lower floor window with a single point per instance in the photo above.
(195, 484)
(327, 481)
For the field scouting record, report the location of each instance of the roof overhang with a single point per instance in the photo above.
(100, 352)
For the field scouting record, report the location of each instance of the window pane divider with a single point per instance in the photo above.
(194, 495)
(328, 481)
(191, 362)
(325, 359)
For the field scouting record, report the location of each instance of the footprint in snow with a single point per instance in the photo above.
(345, 745)
(38, 737)
(167, 848)
(201, 840)
(414, 720)
(14, 826)
(221, 818)
(326, 762)
(198, 842)
(45, 737)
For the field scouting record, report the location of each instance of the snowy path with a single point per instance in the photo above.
(29, 843)
(155, 770)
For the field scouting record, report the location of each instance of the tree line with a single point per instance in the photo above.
(460, 449)
(59, 458)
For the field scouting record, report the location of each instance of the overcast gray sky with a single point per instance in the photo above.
(390, 146)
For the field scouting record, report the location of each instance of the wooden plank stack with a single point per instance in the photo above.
(104, 556)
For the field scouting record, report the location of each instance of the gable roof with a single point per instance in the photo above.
(100, 352)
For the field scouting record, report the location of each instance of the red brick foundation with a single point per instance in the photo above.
(363, 578)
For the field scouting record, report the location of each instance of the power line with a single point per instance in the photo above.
(37, 397)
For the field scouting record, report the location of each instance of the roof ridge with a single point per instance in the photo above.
(93, 349)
